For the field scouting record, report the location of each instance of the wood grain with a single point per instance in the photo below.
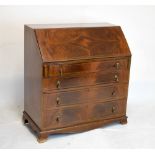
(75, 78)
(85, 80)
(76, 43)
(43, 134)
(67, 116)
(65, 69)
(32, 76)
(99, 93)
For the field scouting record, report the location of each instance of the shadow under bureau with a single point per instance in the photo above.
(76, 77)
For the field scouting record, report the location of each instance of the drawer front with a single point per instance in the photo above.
(107, 109)
(85, 95)
(80, 68)
(63, 117)
(68, 116)
(59, 83)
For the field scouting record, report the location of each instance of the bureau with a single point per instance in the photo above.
(76, 77)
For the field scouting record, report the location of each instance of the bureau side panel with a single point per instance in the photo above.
(32, 76)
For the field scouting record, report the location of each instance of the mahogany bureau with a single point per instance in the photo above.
(75, 77)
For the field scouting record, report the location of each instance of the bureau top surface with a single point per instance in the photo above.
(64, 42)
(71, 25)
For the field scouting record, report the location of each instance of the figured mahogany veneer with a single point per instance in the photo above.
(99, 93)
(85, 67)
(57, 83)
(75, 77)
(67, 116)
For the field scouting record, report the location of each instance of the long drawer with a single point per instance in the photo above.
(59, 83)
(68, 116)
(84, 67)
(88, 94)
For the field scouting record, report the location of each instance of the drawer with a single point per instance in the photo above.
(64, 117)
(85, 95)
(59, 83)
(68, 116)
(84, 67)
(107, 110)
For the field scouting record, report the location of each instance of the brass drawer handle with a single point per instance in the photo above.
(61, 71)
(117, 65)
(116, 78)
(58, 119)
(58, 84)
(58, 101)
(113, 109)
(113, 93)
